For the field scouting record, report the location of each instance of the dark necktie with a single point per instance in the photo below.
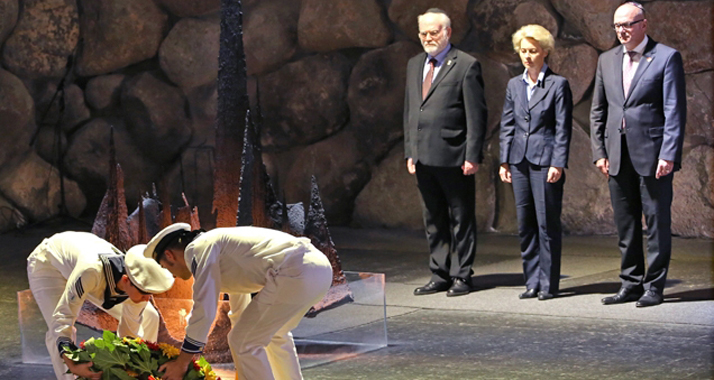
(428, 79)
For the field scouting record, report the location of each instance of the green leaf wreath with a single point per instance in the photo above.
(134, 358)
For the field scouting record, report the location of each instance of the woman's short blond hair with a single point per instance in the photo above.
(536, 32)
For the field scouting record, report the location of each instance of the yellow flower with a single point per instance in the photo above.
(169, 350)
(210, 375)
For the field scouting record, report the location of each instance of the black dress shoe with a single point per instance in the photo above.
(530, 293)
(542, 296)
(623, 295)
(432, 287)
(650, 298)
(459, 287)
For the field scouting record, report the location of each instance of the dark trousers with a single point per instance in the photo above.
(449, 220)
(631, 196)
(538, 206)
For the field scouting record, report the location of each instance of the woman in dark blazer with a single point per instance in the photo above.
(535, 139)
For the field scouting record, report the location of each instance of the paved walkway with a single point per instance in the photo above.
(490, 333)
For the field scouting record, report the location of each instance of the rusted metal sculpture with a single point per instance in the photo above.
(233, 107)
(243, 195)
(316, 229)
(110, 223)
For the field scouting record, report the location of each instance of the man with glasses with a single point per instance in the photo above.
(444, 125)
(637, 127)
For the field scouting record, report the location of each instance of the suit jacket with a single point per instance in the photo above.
(539, 130)
(655, 110)
(448, 126)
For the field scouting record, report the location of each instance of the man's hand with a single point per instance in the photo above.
(176, 369)
(505, 173)
(664, 167)
(604, 165)
(469, 168)
(411, 168)
(82, 369)
(554, 174)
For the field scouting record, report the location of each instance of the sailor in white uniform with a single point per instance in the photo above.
(70, 267)
(288, 274)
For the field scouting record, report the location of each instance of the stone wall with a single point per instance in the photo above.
(330, 75)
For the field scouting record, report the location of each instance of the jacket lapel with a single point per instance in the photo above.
(540, 91)
(647, 57)
(448, 64)
(617, 65)
(419, 72)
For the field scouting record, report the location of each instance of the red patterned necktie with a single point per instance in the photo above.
(428, 79)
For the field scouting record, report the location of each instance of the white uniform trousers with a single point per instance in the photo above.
(47, 285)
(260, 340)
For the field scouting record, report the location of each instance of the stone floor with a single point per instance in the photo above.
(490, 333)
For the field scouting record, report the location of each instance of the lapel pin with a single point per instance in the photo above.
(448, 63)
(648, 59)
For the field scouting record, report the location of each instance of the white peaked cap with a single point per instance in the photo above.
(146, 274)
(167, 233)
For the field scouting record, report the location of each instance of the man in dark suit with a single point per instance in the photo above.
(444, 125)
(637, 127)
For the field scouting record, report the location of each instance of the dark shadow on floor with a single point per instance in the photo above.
(599, 288)
(690, 295)
(491, 281)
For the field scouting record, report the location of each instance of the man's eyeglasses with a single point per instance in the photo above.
(432, 33)
(626, 25)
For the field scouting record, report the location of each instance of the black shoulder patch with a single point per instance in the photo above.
(78, 288)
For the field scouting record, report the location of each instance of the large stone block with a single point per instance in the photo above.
(586, 196)
(700, 109)
(270, 34)
(203, 106)
(8, 18)
(341, 174)
(685, 26)
(189, 54)
(404, 13)
(495, 80)
(118, 33)
(536, 12)
(33, 186)
(104, 91)
(693, 203)
(10, 217)
(87, 161)
(191, 8)
(338, 24)
(376, 97)
(391, 198)
(16, 113)
(156, 116)
(46, 34)
(593, 19)
(304, 101)
(577, 63)
(494, 22)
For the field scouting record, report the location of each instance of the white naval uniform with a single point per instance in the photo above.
(289, 274)
(64, 271)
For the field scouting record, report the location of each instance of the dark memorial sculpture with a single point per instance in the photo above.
(233, 104)
(243, 195)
